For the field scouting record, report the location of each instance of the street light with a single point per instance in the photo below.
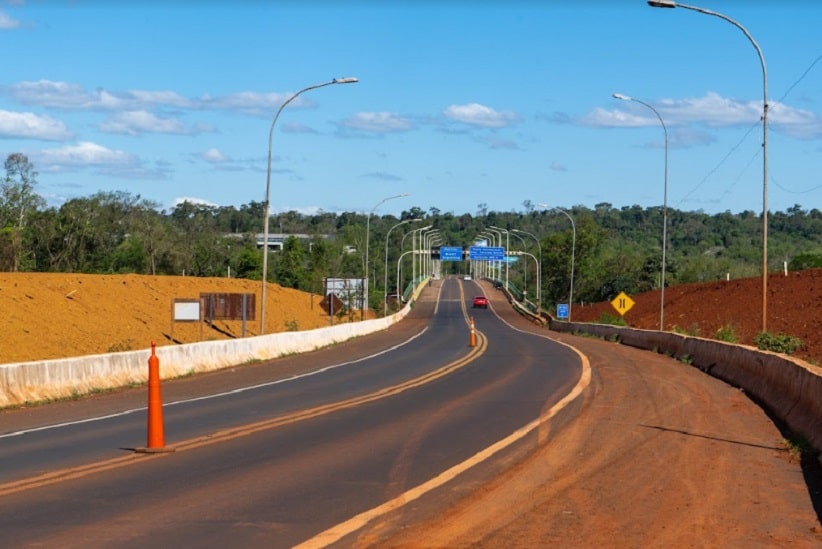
(367, 241)
(486, 266)
(673, 4)
(573, 249)
(524, 265)
(426, 241)
(385, 282)
(507, 247)
(346, 80)
(414, 249)
(539, 266)
(664, 208)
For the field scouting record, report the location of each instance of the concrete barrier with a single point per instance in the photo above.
(44, 380)
(789, 388)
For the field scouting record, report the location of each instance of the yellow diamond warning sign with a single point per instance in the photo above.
(622, 303)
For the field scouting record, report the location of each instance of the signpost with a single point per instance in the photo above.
(450, 253)
(562, 311)
(486, 253)
(622, 303)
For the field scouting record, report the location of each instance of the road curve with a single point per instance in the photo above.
(658, 454)
(295, 456)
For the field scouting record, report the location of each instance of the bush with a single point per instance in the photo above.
(605, 318)
(805, 261)
(726, 334)
(778, 343)
(693, 330)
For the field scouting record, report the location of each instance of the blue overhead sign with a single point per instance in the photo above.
(450, 253)
(486, 253)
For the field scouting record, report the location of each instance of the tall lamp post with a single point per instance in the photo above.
(507, 246)
(573, 253)
(539, 266)
(414, 249)
(524, 265)
(266, 205)
(367, 242)
(664, 208)
(673, 4)
(385, 282)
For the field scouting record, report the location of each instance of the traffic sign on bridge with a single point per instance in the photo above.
(486, 253)
(450, 253)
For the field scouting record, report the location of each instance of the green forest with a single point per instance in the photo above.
(610, 249)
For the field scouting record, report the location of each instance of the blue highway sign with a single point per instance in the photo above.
(486, 253)
(450, 253)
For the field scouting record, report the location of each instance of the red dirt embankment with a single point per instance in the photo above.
(794, 306)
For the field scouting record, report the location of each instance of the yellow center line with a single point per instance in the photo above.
(55, 477)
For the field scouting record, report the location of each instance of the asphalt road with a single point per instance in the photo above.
(275, 454)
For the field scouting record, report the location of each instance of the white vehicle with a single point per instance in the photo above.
(466, 277)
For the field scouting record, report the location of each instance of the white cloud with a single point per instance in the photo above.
(797, 123)
(294, 127)
(32, 126)
(378, 122)
(84, 154)
(214, 156)
(7, 23)
(164, 98)
(137, 122)
(711, 110)
(60, 95)
(193, 200)
(475, 114)
(600, 117)
(64, 95)
(252, 102)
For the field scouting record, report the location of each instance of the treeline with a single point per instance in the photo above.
(614, 249)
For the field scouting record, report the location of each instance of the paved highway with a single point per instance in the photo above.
(302, 449)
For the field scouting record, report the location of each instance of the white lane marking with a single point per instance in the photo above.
(216, 395)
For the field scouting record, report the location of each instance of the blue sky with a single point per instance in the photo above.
(459, 103)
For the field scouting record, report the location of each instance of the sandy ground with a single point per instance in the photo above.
(47, 315)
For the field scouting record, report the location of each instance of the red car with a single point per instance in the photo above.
(481, 302)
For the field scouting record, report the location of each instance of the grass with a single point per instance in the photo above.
(798, 447)
(726, 333)
(606, 318)
(692, 330)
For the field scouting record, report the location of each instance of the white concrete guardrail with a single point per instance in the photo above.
(43, 380)
(789, 388)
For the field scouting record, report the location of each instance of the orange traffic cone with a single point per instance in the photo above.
(156, 436)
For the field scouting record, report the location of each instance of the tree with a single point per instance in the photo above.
(18, 202)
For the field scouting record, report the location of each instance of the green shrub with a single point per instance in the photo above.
(605, 318)
(693, 330)
(726, 333)
(292, 326)
(778, 343)
(805, 261)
